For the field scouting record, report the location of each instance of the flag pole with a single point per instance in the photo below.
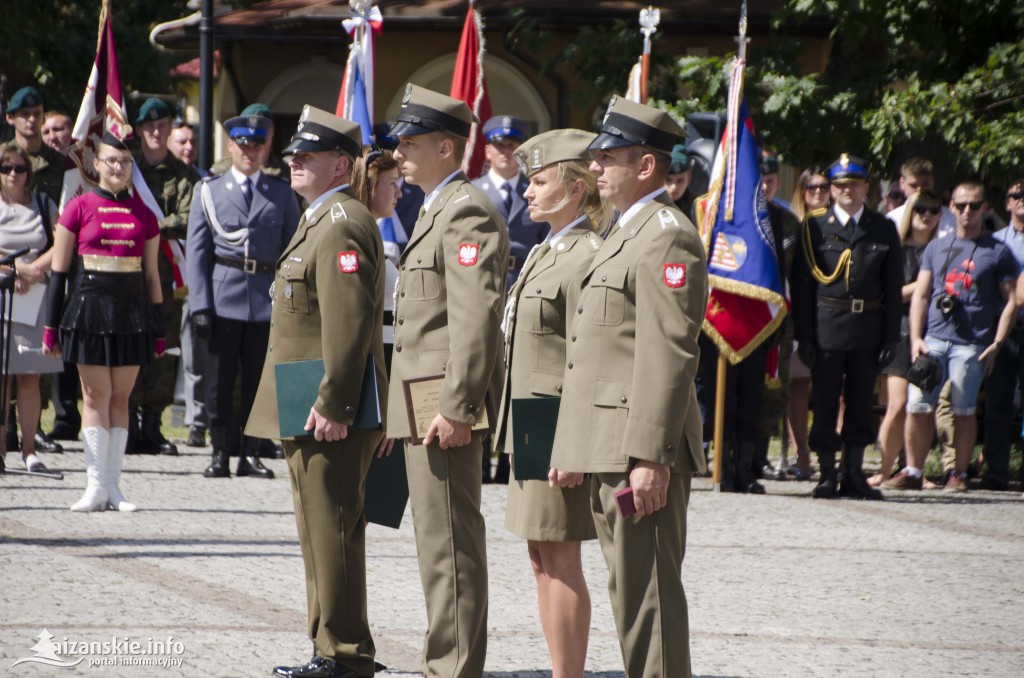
(719, 432)
(649, 20)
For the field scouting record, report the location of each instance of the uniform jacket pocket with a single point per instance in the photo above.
(420, 279)
(605, 303)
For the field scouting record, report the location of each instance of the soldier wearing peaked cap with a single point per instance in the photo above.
(171, 183)
(451, 293)
(239, 224)
(563, 193)
(847, 304)
(630, 367)
(273, 165)
(328, 297)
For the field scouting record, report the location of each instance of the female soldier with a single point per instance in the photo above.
(554, 521)
(113, 322)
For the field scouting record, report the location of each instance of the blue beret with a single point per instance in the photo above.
(505, 127)
(153, 109)
(257, 109)
(848, 168)
(250, 126)
(26, 97)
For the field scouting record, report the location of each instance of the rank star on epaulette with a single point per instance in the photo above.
(348, 262)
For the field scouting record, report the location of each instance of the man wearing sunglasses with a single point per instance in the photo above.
(1009, 366)
(273, 164)
(847, 305)
(961, 313)
(239, 224)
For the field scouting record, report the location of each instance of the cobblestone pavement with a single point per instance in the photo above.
(924, 584)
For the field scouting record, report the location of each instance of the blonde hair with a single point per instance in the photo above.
(367, 168)
(591, 205)
(798, 205)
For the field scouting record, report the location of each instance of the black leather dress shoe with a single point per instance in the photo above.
(64, 431)
(196, 436)
(220, 467)
(317, 667)
(252, 466)
(45, 443)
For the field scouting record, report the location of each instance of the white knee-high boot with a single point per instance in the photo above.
(96, 442)
(118, 442)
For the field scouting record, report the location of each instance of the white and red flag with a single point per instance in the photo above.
(470, 85)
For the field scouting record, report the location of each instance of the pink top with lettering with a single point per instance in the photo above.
(103, 225)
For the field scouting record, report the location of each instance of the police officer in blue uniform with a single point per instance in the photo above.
(239, 224)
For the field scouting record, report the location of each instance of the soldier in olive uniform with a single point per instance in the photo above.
(629, 412)
(451, 292)
(329, 304)
(25, 115)
(847, 306)
(274, 166)
(171, 182)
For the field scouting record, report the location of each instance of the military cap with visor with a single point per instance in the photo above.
(627, 123)
(502, 127)
(424, 111)
(153, 109)
(26, 97)
(549, 148)
(848, 168)
(249, 129)
(322, 131)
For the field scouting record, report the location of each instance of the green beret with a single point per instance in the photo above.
(153, 109)
(26, 97)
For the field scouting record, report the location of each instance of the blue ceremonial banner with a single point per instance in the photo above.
(747, 299)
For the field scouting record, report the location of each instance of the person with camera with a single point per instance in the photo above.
(846, 310)
(961, 312)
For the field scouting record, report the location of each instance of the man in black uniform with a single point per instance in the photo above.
(847, 307)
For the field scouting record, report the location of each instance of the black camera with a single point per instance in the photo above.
(948, 305)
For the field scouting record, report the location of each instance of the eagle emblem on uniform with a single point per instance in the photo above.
(675, 275)
(348, 262)
(468, 253)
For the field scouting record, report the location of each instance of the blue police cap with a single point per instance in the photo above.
(153, 109)
(26, 97)
(502, 127)
(848, 168)
(246, 129)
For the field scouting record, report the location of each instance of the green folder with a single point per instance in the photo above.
(387, 489)
(533, 435)
(298, 384)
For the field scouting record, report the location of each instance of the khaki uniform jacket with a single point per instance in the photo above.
(536, 333)
(449, 302)
(327, 305)
(171, 183)
(628, 392)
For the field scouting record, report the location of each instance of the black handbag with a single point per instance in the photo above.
(925, 373)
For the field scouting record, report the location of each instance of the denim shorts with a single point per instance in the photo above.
(961, 367)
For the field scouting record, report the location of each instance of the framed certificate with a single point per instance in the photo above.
(423, 403)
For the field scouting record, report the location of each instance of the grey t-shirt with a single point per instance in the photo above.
(971, 271)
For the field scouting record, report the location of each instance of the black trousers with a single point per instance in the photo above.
(853, 374)
(744, 393)
(65, 397)
(234, 344)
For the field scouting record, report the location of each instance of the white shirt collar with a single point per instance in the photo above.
(499, 181)
(555, 237)
(844, 217)
(638, 205)
(320, 200)
(240, 178)
(429, 199)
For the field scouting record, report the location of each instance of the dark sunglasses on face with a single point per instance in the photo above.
(17, 169)
(1017, 195)
(815, 188)
(927, 209)
(962, 206)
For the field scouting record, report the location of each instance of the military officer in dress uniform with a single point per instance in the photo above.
(273, 166)
(171, 182)
(239, 224)
(846, 307)
(451, 292)
(25, 115)
(329, 304)
(629, 412)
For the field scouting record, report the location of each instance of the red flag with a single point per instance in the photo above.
(470, 85)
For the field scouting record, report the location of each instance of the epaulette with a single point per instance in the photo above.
(338, 212)
(666, 217)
